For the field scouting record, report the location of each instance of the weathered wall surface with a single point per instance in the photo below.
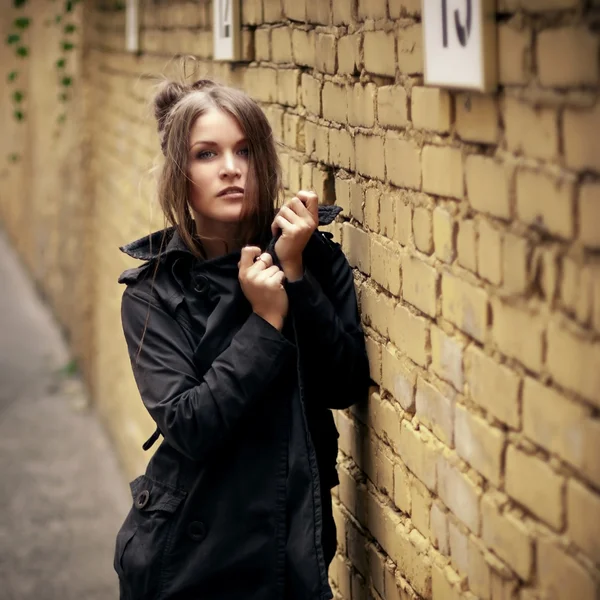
(473, 222)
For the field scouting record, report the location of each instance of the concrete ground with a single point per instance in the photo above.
(62, 495)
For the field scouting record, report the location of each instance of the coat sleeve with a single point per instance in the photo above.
(329, 330)
(195, 414)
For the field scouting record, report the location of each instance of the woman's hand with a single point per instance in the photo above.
(296, 220)
(262, 284)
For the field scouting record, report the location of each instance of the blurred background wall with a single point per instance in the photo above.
(473, 222)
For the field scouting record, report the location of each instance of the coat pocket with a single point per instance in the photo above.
(143, 542)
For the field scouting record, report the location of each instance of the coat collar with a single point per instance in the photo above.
(167, 241)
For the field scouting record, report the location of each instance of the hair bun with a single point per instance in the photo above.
(168, 95)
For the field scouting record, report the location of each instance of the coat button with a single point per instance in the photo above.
(196, 531)
(142, 499)
(201, 284)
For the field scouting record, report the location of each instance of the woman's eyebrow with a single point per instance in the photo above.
(211, 143)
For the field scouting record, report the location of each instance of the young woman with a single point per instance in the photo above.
(243, 332)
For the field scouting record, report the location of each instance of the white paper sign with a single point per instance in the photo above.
(132, 28)
(225, 25)
(460, 44)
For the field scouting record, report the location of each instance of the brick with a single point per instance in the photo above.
(303, 47)
(573, 362)
(445, 584)
(589, 214)
(281, 45)
(357, 248)
(377, 310)
(412, 563)
(430, 109)
(410, 334)
(311, 94)
(530, 130)
(403, 222)
(372, 9)
(423, 230)
(295, 10)
(341, 148)
(436, 410)
(493, 386)
(318, 13)
(568, 56)
(293, 131)
(447, 357)
(459, 547)
(464, 305)
(518, 333)
(404, 8)
(583, 530)
(531, 482)
(418, 456)
(582, 151)
(375, 359)
(421, 506)
(402, 481)
(438, 520)
(444, 235)
(272, 11)
(488, 186)
(261, 84)
(410, 49)
(387, 215)
(379, 53)
(515, 263)
(541, 6)
(357, 201)
(443, 171)
(489, 253)
(458, 493)
(262, 44)
(477, 118)
(513, 50)
(419, 285)
(479, 444)
(326, 53)
(372, 197)
(335, 103)
(402, 162)
(288, 81)
(341, 575)
(344, 12)
(478, 571)
(399, 378)
(508, 538)
(576, 288)
(560, 576)
(251, 12)
(370, 156)
(361, 105)
(349, 54)
(385, 265)
(562, 427)
(392, 106)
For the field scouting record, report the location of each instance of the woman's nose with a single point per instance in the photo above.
(229, 167)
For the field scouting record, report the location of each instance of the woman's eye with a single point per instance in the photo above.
(244, 152)
(205, 154)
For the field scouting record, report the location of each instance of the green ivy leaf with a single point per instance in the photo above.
(13, 38)
(66, 46)
(63, 97)
(19, 3)
(69, 6)
(22, 22)
(22, 51)
(19, 115)
(18, 96)
(66, 81)
(13, 157)
(12, 76)
(70, 28)
(60, 63)
(61, 118)
(58, 19)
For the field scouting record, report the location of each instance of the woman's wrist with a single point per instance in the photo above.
(293, 270)
(274, 320)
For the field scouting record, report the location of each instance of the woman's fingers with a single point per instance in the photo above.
(249, 253)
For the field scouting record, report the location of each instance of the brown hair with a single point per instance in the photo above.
(176, 108)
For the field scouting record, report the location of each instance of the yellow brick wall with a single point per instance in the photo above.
(473, 223)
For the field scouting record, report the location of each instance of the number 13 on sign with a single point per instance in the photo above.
(460, 44)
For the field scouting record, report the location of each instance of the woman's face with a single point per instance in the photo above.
(217, 169)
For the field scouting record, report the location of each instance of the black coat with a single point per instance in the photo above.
(235, 501)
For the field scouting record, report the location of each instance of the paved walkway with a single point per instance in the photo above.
(62, 495)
